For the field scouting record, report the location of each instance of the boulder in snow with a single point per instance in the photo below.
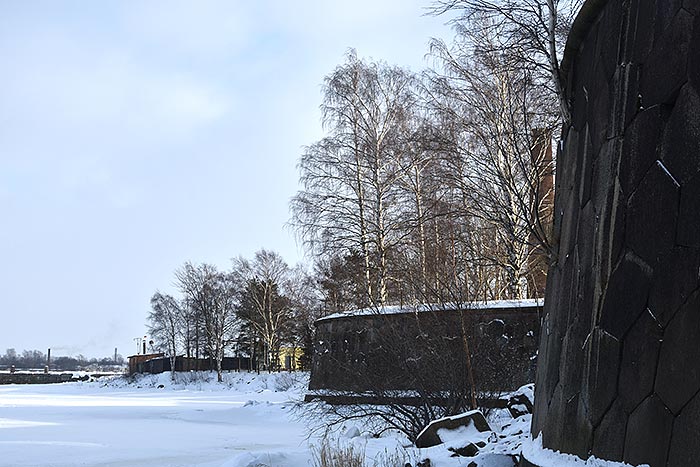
(469, 450)
(351, 432)
(465, 425)
(521, 401)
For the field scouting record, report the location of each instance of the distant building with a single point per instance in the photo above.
(136, 361)
(290, 358)
(159, 363)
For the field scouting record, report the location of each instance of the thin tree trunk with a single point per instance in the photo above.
(467, 354)
(219, 375)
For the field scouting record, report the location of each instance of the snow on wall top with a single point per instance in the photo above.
(398, 309)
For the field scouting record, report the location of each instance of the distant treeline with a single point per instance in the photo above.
(32, 359)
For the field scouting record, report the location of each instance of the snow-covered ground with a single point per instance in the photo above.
(249, 420)
(115, 423)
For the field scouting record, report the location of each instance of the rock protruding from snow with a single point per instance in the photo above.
(351, 432)
(464, 425)
(521, 401)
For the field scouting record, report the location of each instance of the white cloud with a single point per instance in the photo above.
(58, 84)
(76, 115)
(180, 102)
(205, 27)
(190, 114)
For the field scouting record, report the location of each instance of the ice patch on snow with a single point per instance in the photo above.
(70, 444)
(12, 423)
(258, 459)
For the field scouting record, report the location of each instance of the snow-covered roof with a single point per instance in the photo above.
(398, 309)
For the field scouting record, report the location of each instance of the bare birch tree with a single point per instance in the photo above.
(503, 168)
(165, 325)
(221, 321)
(533, 32)
(349, 200)
(211, 296)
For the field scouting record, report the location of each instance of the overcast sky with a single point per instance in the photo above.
(137, 135)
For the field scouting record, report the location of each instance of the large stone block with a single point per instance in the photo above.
(688, 230)
(640, 148)
(640, 352)
(576, 432)
(585, 159)
(693, 58)
(675, 278)
(665, 69)
(644, 14)
(571, 366)
(468, 421)
(585, 239)
(602, 367)
(609, 39)
(627, 107)
(549, 415)
(598, 110)
(652, 213)
(582, 80)
(609, 435)
(547, 372)
(568, 179)
(681, 139)
(610, 233)
(569, 223)
(625, 295)
(648, 433)
(551, 336)
(692, 6)
(678, 374)
(666, 11)
(604, 173)
(684, 450)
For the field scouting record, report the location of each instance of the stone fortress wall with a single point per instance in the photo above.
(370, 351)
(618, 372)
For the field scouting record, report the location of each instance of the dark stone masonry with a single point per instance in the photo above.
(618, 372)
(39, 378)
(366, 352)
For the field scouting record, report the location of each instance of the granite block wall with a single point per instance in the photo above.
(619, 362)
(408, 350)
(38, 378)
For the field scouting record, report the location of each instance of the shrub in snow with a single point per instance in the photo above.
(194, 377)
(337, 455)
(287, 381)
